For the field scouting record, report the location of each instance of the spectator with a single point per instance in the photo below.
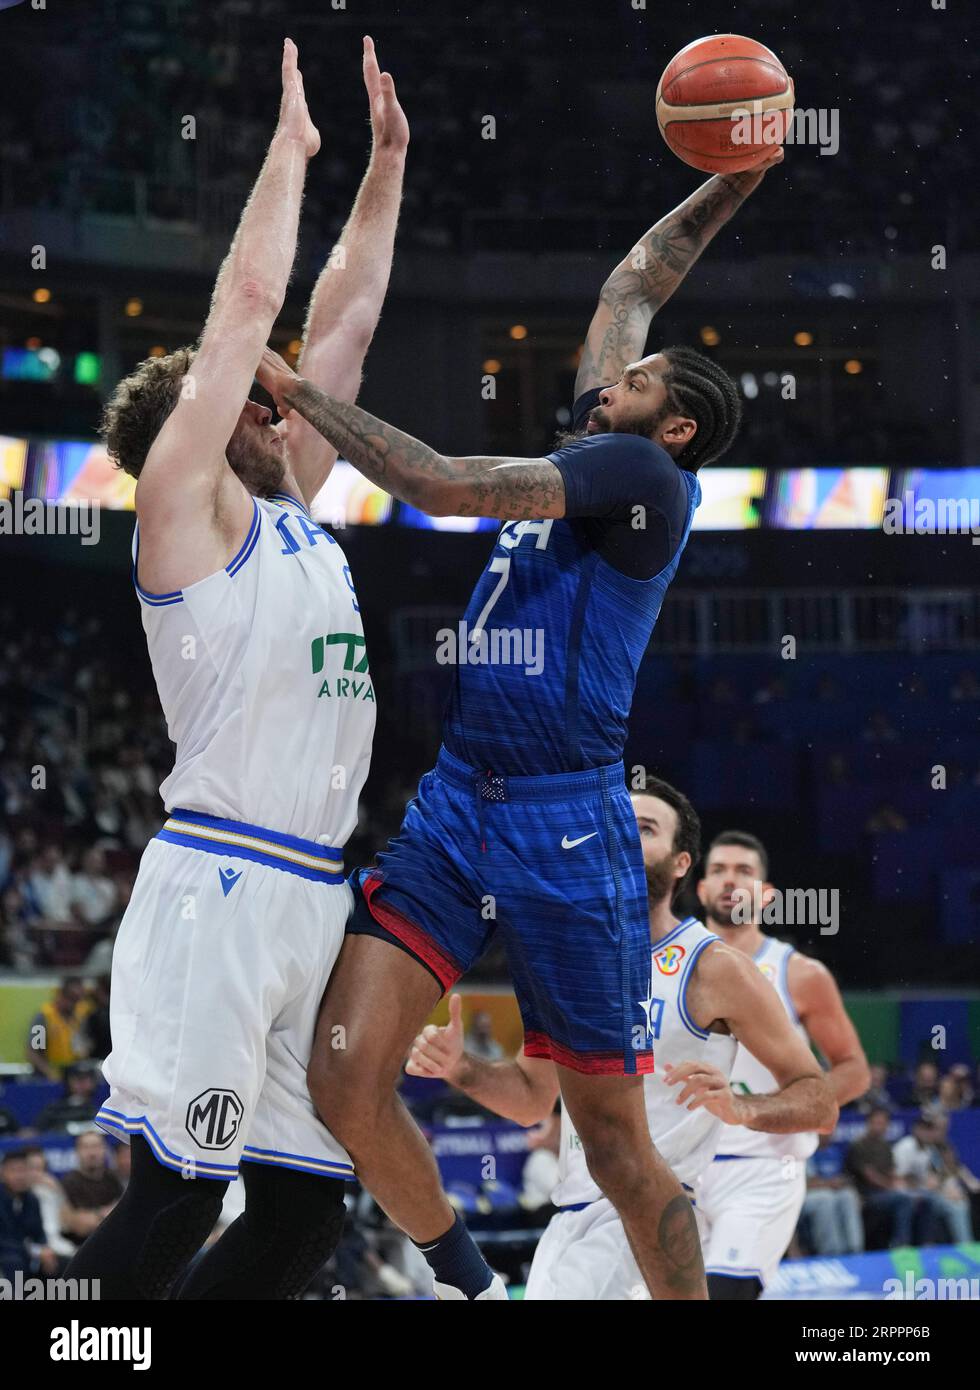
(23, 1244)
(877, 1096)
(872, 1165)
(56, 1038)
(832, 1205)
(480, 1041)
(18, 949)
(916, 1163)
(949, 1096)
(98, 1040)
(956, 1181)
(78, 1105)
(925, 1084)
(93, 892)
(91, 1189)
(47, 1190)
(49, 886)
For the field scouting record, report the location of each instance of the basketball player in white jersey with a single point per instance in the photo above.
(750, 1198)
(258, 652)
(703, 998)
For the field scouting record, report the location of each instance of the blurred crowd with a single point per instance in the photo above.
(878, 1190)
(575, 157)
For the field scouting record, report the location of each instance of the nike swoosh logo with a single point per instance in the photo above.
(570, 844)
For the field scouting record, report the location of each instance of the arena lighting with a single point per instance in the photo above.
(518, 331)
(88, 368)
(158, 351)
(803, 338)
(295, 347)
(710, 336)
(750, 387)
(41, 296)
(134, 307)
(492, 366)
(853, 367)
(33, 344)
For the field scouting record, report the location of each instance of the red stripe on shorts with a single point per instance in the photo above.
(419, 942)
(590, 1063)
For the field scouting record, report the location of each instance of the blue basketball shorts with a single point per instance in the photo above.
(554, 865)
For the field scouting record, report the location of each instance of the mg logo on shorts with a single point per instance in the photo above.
(213, 1118)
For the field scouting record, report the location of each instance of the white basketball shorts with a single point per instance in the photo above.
(584, 1256)
(217, 975)
(750, 1207)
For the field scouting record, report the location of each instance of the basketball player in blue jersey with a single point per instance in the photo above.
(525, 826)
(706, 1003)
(240, 904)
(750, 1198)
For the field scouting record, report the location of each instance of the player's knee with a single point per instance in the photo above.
(345, 1100)
(619, 1169)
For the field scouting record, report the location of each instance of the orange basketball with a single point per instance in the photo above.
(724, 103)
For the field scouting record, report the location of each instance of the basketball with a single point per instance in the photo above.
(723, 103)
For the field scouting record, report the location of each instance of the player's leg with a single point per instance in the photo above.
(377, 1000)
(293, 1169)
(416, 927)
(290, 1227)
(150, 1236)
(609, 1114)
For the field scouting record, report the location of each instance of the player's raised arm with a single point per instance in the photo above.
(189, 502)
(524, 1089)
(346, 302)
(509, 488)
(729, 986)
(647, 277)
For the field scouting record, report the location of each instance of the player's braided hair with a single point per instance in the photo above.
(704, 392)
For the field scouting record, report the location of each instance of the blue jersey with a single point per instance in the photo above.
(548, 651)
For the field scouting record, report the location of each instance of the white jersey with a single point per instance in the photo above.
(685, 1139)
(263, 677)
(750, 1077)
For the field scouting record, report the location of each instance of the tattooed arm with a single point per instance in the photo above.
(509, 488)
(649, 275)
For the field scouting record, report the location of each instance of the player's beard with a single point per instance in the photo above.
(723, 916)
(661, 881)
(258, 465)
(647, 426)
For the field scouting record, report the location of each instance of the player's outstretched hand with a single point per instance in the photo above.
(748, 180)
(704, 1086)
(436, 1052)
(388, 124)
(294, 116)
(276, 376)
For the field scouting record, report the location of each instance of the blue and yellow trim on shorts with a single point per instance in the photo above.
(238, 840)
(120, 1126)
(322, 1167)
